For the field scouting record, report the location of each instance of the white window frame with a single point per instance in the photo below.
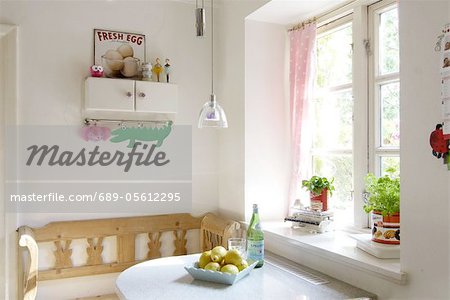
(376, 149)
(365, 154)
(321, 31)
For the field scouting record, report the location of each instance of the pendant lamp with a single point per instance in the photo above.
(212, 114)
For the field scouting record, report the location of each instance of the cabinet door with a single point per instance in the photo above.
(156, 97)
(109, 94)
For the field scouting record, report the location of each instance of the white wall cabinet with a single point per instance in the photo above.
(122, 95)
(156, 97)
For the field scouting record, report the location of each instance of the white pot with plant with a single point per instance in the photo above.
(383, 202)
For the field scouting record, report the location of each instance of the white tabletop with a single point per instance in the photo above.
(166, 278)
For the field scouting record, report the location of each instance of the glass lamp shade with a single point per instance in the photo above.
(212, 115)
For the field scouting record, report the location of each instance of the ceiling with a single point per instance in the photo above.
(289, 12)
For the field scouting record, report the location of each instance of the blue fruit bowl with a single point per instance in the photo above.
(218, 277)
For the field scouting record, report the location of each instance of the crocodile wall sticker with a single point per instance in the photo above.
(135, 134)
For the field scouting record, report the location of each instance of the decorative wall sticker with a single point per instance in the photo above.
(95, 133)
(444, 48)
(440, 137)
(143, 134)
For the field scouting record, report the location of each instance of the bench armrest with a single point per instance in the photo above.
(28, 263)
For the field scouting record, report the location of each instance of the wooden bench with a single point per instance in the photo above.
(213, 231)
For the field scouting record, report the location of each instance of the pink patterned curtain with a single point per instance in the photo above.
(302, 74)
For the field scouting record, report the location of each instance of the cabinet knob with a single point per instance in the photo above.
(141, 94)
(129, 94)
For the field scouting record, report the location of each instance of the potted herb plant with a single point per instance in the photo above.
(383, 201)
(318, 188)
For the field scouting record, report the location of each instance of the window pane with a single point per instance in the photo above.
(388, 42)
(389, 162)
(334, 57)
(390, 114)
(341, 168)
(333, 114)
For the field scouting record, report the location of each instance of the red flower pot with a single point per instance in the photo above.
(319, 202)
(386, 229)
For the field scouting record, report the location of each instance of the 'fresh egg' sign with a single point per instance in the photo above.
(120, 53)
(104, 35)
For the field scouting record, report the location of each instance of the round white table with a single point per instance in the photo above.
(166, 278)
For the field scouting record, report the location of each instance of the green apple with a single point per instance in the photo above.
(242, 265)
(204, 259)
(233, 257)
(212, 266)
(218, 253)
(230, 269)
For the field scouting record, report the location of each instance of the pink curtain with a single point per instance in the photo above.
(301, 77)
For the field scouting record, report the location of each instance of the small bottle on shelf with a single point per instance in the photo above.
(255, 239)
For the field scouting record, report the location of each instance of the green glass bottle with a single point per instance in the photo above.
(255, 240)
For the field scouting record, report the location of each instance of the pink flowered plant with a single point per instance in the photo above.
(95, 133)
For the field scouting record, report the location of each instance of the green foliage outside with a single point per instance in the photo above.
(390, 109)
(389, 42)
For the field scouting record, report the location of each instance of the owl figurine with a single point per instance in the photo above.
(96, 71)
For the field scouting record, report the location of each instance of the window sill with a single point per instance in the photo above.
(337, 246)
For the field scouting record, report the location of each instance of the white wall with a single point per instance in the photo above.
(231, 94)
(267, 138)
(424, 179)
(55, 52)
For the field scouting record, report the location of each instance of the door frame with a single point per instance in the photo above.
(8, 103)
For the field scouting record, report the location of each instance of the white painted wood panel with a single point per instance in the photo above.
(156, 97)
(109, 94)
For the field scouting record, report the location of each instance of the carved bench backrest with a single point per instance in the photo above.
(213, 231)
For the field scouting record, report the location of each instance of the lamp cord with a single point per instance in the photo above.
(212, 46)
(196, 3)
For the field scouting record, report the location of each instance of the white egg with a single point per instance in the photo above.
(125, 50)
(114, 60)
(130, 67)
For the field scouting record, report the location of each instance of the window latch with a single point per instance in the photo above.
(367, 46)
